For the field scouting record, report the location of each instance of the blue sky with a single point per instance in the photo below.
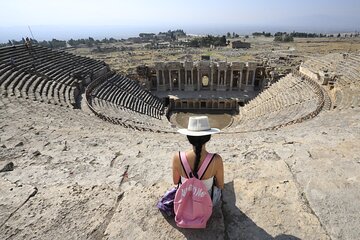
(311, 15)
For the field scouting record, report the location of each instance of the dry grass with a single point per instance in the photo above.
(261, 48)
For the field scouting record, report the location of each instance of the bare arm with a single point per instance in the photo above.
(175, 167)
(219, 175)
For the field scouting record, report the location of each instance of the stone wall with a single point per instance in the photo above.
(208, 105)
(206, 75)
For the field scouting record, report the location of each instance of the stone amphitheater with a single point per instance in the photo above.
(85, 153)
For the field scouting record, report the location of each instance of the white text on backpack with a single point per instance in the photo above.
(196, 191)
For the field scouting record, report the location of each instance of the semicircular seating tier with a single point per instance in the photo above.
(123, 101)
(339, 74)
(292, 99)
(46, 75)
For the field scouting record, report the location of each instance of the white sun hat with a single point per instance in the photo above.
(198, 126)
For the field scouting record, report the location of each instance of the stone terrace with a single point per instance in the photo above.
(123, 101)
(290, 100)
(303, 94)
(41, 74)
(344, 73)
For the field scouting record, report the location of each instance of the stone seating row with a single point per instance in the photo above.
(20, 53)
(43, 57)
(346, 67)
(125, 117)
(328, 62)
(347, 86)
(268, 95)
(54, 64)
(38, 88)
(42, 74)
(126, 93)
(142, 95)
(133, 88)
(346, 98)
(130, 102)
(348, 74)
(340, 64)
(116, 105)
(280, 117)
(291, 100)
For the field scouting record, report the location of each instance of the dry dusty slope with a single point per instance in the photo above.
(76, 177)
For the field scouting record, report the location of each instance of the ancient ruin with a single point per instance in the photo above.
(206, 75)
(85, 152)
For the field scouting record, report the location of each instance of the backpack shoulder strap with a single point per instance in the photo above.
(204, 166)
(185, 164)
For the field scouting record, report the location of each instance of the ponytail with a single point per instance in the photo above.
(198, 142)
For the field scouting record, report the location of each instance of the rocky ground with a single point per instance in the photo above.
(262, 49)
(77, 177)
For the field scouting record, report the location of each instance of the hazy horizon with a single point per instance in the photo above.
(118, 32)
(110, 18)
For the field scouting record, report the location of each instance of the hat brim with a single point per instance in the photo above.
(185, 131)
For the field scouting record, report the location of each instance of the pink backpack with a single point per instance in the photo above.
(192, 203)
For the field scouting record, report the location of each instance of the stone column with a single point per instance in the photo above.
(211, 77)
(192, 77)
(170, 81)
(240, 80)
(157, 79)
(219, 80)
(247, 77)
(186, 78)
(253, 79)
(225, 78)
(163, 77)
(179, 80)
(198, 80)
(231, 79)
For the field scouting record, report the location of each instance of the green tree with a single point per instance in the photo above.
(284, 38)
(223, 41)
(207, 41)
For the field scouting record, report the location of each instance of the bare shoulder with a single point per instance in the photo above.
(175, 159)
(218, 161)
(176, 155)
(218, 158)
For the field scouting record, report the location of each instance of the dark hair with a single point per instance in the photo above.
(198, 142)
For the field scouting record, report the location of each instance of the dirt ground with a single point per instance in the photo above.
(67, 174)
(125, 62)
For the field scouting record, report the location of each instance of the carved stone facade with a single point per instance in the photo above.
(206, 105)
(206, 75)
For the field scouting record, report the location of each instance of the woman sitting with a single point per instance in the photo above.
(198, 134)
